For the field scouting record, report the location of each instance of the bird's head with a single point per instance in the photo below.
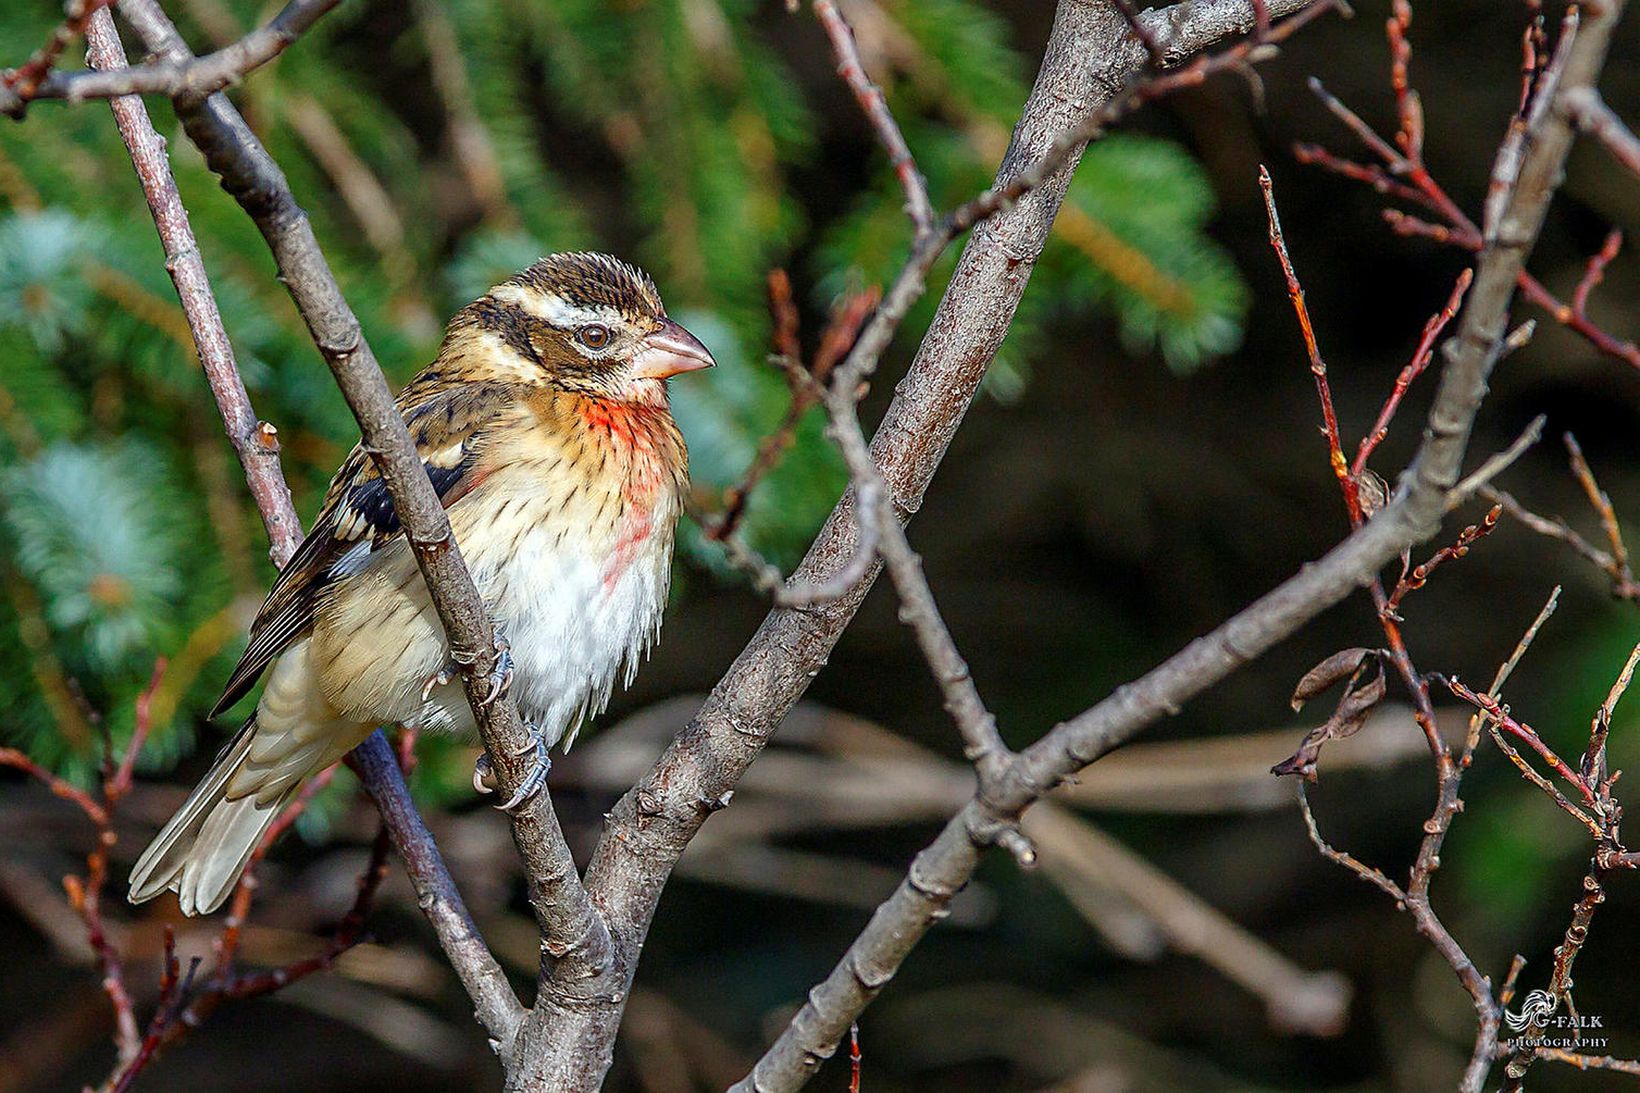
(582, 322)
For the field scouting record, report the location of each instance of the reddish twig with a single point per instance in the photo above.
(1369, 174)
(11, 757)
(1595, 272)
(1609, 857)
(1410, 136)
(808, 389)
(1146, 37)
(193, 78)
(1318, 366)
(1528, 772)
(1415, 368)
(1534, 55)
(1419, 575)
(226, 945)
(24, 80)
(875, 107)
(1405, 176)
(85, 893)
(1589, 1062)
(173, 989)
(1500, 717)
(119, 783)
(804, 383)
(1352, 479)
(349, 932)
(843, 331)
(1156, 87)
(1620, 571)
(783, 310)
(180, 1010)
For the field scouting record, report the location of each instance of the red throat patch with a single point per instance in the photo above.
(639, 439)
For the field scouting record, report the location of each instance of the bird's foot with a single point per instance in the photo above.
(484, 779)
(500, 677)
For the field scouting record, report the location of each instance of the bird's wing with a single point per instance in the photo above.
(449, 428)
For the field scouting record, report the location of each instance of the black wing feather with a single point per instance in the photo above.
(448, 428)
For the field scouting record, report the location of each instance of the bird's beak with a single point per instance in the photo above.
(669, 351)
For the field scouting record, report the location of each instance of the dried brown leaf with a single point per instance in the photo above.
(1328, 674)
(1346, 720)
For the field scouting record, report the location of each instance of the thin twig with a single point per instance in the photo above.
(193, 77)
(1496, 464)
(1589, 1062)
(1318, 366)
(1420, 574)
(1603, 508)
(1405, 176)
(1415, 368)
(1597, 119)
(875, 107)
(1348, 861)
(1500, 717)
(22, 83)
(1615, 562)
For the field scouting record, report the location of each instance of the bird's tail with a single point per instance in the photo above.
(203, 850)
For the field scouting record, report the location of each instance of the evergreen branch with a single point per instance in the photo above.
(194, 76)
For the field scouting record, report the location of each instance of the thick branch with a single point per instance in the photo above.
(946, 865)
(1090, 57)
(496, 1007)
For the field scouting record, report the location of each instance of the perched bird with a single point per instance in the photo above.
(545, 429)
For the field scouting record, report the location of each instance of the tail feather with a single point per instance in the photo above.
(202, 850)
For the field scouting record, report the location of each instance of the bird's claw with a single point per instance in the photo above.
(438, 679)
(484, 780)
(501, 676)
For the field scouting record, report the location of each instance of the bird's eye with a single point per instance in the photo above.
(593, 335)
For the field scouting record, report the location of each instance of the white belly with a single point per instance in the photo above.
(575, 623)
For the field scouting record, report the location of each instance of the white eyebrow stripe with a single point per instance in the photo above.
(554, 309)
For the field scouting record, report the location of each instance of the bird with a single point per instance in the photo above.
(544, 424)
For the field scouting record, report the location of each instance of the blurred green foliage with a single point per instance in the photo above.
(438, 148)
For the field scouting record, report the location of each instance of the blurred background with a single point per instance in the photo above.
(1143, 461)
